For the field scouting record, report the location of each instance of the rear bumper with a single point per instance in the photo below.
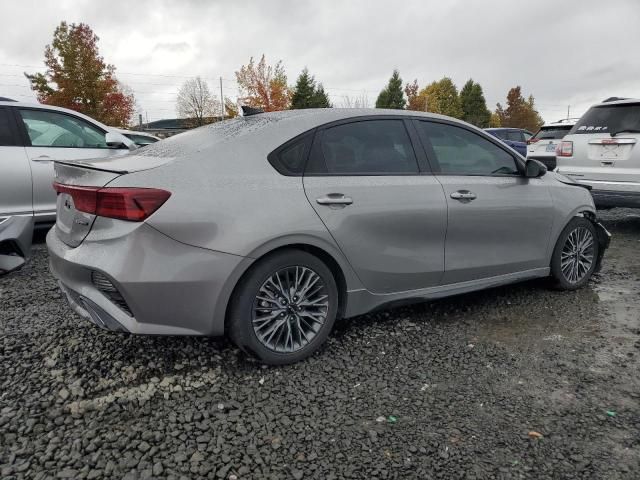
(169, 288)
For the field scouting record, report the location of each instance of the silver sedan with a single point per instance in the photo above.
(268, 227)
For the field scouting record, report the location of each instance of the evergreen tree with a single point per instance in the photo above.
(392, 95)
(304, 91)
(307, 95)
(474, 106)
(320, 98)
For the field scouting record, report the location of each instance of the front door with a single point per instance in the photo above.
(15, 174)
(388, 219)
(499, 222)
(58, 136)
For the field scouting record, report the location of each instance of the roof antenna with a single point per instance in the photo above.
(248, 111)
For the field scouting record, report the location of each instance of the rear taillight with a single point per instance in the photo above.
(124, 203)
(565, 149)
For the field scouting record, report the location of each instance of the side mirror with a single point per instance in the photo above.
(117, 140)
(534, 169)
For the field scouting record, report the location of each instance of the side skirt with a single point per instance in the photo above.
(363, 301)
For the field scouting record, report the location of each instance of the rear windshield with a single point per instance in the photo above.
(609, 119)
(551, 133)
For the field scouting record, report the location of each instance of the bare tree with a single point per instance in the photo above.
(358, 101)
(196, 102)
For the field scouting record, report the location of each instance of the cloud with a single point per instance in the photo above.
(573, 52)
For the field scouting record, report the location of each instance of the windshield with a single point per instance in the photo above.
(609, 119)
(552, 133)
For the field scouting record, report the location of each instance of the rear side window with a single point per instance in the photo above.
(514, 136)
(7, 137)
(290, 158)
(501, 134)
(551, 133)
(368, 147)
(609, 119)
(459, 151)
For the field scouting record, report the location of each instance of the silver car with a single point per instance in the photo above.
(269, 227)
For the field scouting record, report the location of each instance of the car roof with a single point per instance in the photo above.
(43, 106)
(570, 122)
(622, 101)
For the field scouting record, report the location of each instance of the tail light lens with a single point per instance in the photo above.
(133, 204)
(565, 149)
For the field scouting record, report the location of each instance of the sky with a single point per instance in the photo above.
(565, 53)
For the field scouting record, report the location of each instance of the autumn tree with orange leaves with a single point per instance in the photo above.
(78, 78)
(263, 86)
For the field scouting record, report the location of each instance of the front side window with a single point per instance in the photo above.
(6, 135)
(459, 151)
(369, 147)
(52, 129)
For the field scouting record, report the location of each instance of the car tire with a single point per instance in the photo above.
(301, 326)
(577, 240)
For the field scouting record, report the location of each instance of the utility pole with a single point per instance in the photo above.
(221, 101)
(568, 110)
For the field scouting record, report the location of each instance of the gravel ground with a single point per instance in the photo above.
(515, 382)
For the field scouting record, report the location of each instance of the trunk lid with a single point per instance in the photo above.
(72, 225)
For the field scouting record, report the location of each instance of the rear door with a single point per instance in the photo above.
(15, 173)
(499, 222)
(387, 216)
(50, 136)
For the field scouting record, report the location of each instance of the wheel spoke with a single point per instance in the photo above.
(290, 309)
(576, 258)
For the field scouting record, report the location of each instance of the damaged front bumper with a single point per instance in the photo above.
(15, 242)
(604, 239)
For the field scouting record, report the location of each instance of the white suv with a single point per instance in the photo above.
(602, 151)
(542, 146)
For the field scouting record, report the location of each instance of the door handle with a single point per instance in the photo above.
(42, 158)
(463, 195)
(334, 199)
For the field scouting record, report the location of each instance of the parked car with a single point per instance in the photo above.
(516, 138)
(32, 136)
(141, 139)
(542, 146)
(602, 151)
(271, 226)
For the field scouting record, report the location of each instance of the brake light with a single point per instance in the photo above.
(565, 149)
(124, 203)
